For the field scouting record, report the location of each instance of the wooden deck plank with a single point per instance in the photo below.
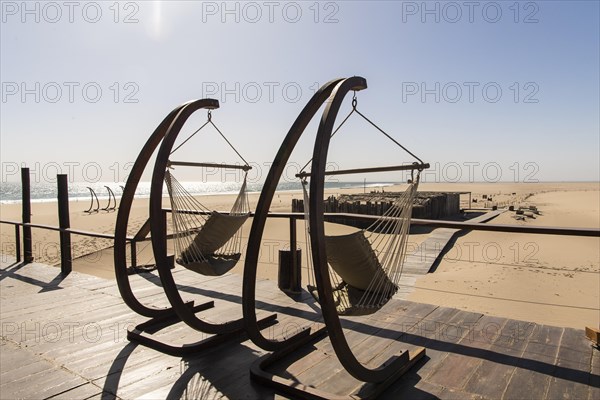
(366, 342)
(46, 383)
(595, 375)
(413, 388)
(12, 357)
(571, 375)
(440, 333)
(464, 360)
(493, 374)
(469, 352)
(136, 372)
(47, 303)
(534, 368)
(84, 391)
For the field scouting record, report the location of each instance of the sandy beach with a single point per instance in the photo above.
(546, 279)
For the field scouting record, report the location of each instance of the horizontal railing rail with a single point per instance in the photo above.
(132, 240)
(473, 226)
(66, 230)
(293, 216)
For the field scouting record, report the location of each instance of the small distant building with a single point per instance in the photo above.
(435, 205)
(427, 205)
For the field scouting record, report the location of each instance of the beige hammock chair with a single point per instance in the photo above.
(366, 266)
(206, 241)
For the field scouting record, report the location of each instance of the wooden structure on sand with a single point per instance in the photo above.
(427, 205)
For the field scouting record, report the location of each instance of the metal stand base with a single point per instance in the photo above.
(259, 374)
(143, 332)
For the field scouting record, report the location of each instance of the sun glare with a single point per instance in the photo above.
(156, 27)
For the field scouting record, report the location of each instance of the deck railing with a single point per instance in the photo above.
(66, 231)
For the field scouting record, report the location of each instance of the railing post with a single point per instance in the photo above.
(133, 253)
(296, 275)
(171, 258)
(66, 260)
(26, 207)
(18, 243)
(165, 216)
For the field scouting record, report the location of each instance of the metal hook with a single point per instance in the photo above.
(209, 115)
(354, 100)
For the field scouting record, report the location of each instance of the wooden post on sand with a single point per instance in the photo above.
(26, 207)
(66, 259)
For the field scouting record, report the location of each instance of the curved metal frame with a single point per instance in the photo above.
(122, 222)
(337, 89)
(111, 197)
(260, 219)
(159, 229)
(166, 133)
(319, 251)
(93, 195)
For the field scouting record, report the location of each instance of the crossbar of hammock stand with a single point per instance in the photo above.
(408, 167)
(216, 165)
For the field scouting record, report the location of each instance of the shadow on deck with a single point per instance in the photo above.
(66, 338)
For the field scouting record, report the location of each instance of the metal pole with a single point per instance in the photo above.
(170, 257)
(66, 259)
(406, 167)
(296, 284)
(215, 165)
(166, 219)
(133, 254)
(26, 207)
(18, 243)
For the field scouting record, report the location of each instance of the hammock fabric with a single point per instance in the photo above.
(217, 231)
(207, 242)
(352, 256)
(200, 255)
(366, 265)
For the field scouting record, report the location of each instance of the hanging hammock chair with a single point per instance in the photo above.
(366, 266)
(351, 274)
(207, 242)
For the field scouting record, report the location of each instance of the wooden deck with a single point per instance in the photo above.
(65, 339)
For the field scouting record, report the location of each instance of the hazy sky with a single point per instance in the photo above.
(482, 90)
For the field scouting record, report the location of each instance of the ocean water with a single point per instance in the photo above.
(10, 192)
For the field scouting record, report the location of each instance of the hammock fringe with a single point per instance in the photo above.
(207, 242)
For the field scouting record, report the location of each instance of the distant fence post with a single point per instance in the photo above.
(18, 243)
(66, 259)
(26, 207)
